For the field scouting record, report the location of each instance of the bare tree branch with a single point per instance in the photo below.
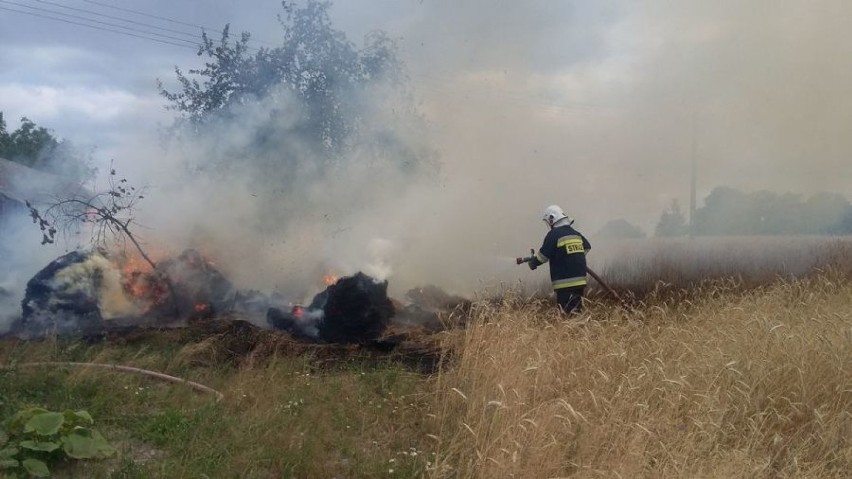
(109, 213)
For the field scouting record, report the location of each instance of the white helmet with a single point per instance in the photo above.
(552, 214)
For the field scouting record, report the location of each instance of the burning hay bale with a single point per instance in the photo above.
(92, 294)
(84, 293)
(197, 288)
(74, 294)
(355, 309)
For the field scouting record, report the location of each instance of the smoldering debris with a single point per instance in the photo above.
(428, 307)
(198, 287)
(355, 309)
(295, 321)
(91, 293)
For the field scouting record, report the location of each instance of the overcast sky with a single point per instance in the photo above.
(594, 105)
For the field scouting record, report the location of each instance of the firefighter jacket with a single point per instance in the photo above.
(565, 248)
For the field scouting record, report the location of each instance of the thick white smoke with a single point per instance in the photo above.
(21, 256)
(98, 277)
(596, 107)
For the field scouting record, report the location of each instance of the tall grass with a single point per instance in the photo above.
(728, 384)
(717, 382)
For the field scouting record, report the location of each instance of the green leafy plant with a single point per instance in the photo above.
(35, 438)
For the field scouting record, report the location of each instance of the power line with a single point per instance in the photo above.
(178, 22)
(425, 81)
(167, 19)
(83, 10)
(96, 27)
(145, 34)
(69, 15)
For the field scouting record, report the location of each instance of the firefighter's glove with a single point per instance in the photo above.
(532, 265)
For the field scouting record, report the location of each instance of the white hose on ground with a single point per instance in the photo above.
(118, 367)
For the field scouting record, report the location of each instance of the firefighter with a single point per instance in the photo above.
(565, 248)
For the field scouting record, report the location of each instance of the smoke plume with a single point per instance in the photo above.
(599, 107)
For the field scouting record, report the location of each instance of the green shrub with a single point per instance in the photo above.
(34, 439)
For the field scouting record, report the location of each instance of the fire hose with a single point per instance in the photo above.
(594, 275)
(145, 372)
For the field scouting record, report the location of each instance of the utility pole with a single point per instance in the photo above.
(692, 177)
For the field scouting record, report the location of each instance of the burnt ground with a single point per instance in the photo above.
(240, 343)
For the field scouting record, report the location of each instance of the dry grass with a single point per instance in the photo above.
(729, 384)
(718, 382)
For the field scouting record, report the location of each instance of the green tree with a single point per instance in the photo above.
(844, 227)
(31, 145)
(825, 213)
(318, 92)
(36, 147)
(672, 222)
(728, 211)
(4, 135)
(725, 212)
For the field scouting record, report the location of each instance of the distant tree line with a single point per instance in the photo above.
(729, 211)
(619, 229)
(36, 147)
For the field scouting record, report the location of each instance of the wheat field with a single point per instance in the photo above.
(721, 383)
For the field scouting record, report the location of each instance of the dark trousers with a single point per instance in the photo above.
(570, 300)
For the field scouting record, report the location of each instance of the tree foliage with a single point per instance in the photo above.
(36, 147)
(729, 211)
(672, 222)
(620, 229)
(307, 104)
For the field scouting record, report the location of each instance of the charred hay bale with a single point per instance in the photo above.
(63, 298)
(194, 286)
(356, 309)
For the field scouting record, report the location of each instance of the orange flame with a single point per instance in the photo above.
(329, 279)
(200, 308)
(134, 264)
(137, 279)
(136, 289)
(133, 272)
(298, 311)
